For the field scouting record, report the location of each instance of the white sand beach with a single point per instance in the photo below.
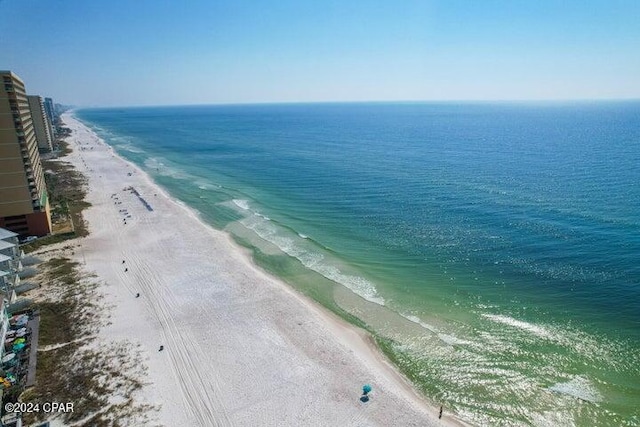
(241, 348)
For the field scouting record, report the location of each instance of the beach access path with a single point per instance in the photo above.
(241, 348)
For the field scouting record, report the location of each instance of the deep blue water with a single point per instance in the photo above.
(515, 225)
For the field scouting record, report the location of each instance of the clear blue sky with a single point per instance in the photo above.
(152, 52)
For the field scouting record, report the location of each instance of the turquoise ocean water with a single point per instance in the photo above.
(493, 248)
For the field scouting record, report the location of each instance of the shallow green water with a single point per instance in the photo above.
(493, 248)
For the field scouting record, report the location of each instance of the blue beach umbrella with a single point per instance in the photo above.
(366, 389)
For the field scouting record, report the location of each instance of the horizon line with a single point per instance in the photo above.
(426, 101)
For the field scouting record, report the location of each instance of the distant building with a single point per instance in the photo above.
(41, 123)
(51, 113)
(24, 203)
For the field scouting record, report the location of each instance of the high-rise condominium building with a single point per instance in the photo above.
(24, 204)
(51, 113)
(41, 124)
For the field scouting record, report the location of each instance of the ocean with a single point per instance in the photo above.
(493, 249)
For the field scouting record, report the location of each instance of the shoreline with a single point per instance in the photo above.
(299, 330)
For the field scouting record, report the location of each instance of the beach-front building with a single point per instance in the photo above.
(51, 114)
(18, 332)
(10, 264)
(4, 324)
(41, 123)
(9, 280)
(24, 204)
(6, 285)
(9, 236)
(9, 247)
(6, 262)
(13, 253)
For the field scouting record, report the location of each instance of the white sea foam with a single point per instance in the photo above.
(130, 148)
(447, 338)
(416, 319)
(304, 236)
(359, 285)
(311, 259)
(453, 340)
(241, 203)
(152, 163)
(203, 184)
(579, 387)
(160, 167)
(529, 327)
